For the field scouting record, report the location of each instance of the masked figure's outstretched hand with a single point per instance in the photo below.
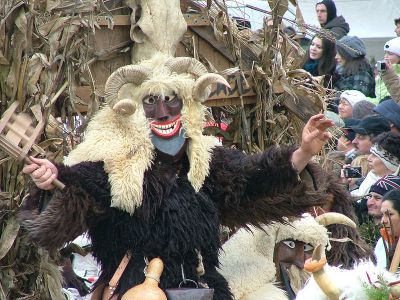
(42, 172)
(313, 139)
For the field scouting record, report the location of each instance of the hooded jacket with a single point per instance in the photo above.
(338, 26)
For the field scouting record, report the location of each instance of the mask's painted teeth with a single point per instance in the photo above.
(167, 130)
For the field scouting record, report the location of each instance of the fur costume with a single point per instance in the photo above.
(127, 198)
(344, 254)
(247, 257)
(351, 283)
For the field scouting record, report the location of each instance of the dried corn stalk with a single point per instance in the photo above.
(49, 49)
(282, 88)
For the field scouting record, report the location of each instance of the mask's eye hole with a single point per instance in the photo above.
(150, 100)
(308, 248)
(290, 244)
(169, 98)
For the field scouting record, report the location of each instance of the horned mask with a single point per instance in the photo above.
(248, 256)
(119, 134)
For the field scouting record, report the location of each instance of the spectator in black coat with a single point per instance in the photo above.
(326, 13)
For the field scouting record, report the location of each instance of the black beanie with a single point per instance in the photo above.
(330, 9)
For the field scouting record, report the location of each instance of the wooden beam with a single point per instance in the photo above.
(124, 20)
(197, 20)
(302, 107)
(240, 86)
(119, 20)
(230, 101)
(207, 34)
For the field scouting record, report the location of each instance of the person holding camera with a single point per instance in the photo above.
(384, 159)
(388, 80)
(366, 130)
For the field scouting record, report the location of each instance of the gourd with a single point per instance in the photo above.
(149, 289)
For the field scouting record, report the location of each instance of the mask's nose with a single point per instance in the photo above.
(161, 111)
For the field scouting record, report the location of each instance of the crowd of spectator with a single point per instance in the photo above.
(366, 101)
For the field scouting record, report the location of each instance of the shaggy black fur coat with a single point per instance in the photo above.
(174, 221)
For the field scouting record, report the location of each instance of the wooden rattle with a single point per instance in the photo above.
(18, 135)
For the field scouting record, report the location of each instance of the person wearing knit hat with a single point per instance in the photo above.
(385, 154)
(376, 193)
(390, 110)
(383, 160)
(363, 109)
(327, 18)
(354, 69)
(388, 80)
(347, 101)
(353, 46)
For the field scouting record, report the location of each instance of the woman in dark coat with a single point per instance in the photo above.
(320, 60)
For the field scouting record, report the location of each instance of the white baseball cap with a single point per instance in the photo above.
(393, 46)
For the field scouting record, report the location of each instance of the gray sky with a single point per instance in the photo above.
(367, 18)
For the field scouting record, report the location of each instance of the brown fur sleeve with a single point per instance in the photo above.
(69, 212)
(258, 188)
(342, 253)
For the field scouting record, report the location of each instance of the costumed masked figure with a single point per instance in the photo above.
(348, 247)
(268, 263)
(146, 180)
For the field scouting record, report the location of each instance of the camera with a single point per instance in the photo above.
(353, 172)
(381, 65)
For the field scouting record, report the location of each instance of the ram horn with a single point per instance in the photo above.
(125, 107)
(200, 91)
(187, 65)
(316, 265)
(330, 218)
(128, 74)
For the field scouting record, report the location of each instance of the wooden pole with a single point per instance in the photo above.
(57, 183)
(396, 259)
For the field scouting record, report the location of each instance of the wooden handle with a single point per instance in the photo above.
(57, 183)
(396, 259)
